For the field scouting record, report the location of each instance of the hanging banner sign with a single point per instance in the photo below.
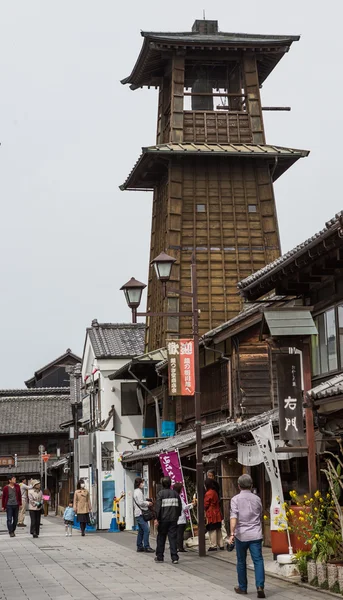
(171, 467)
(291, 422)
(264, 438)
(181, 367)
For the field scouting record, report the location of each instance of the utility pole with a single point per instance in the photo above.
(75, 399)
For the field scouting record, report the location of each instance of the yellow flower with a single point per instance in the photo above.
(321, 500)
(291, 512)
(301, 512)
(305, 496)
(301, 519)
(307, 502)
(328, 496)
(316, 509)
(311, 500)
(317, 494)
(265, 518)
(336, 516)
(317, 536)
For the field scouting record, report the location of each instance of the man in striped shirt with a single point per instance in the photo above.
(168, 509)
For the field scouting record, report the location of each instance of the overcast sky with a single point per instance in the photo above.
(70, 133)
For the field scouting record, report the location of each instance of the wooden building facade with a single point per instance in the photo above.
(211, 171)
(239, 385)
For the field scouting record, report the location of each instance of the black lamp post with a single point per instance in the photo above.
(133, 293)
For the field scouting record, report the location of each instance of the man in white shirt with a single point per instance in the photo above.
(24, 500)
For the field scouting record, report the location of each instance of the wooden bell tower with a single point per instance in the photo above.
(211, 171)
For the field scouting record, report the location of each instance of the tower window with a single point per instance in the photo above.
(201, 208)
(252, 208)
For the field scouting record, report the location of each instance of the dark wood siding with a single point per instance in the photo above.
(252, 383)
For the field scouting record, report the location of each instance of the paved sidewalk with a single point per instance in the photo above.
(103, 566)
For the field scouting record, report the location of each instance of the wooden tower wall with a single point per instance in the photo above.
(230, 241)
(236, 232)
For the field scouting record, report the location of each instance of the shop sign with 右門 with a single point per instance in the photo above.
(291, 422)
(181, 367)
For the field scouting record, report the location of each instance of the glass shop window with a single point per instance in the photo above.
(327, 346)
(107, 456)
(213, 87)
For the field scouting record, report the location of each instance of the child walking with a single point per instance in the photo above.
(68, 517)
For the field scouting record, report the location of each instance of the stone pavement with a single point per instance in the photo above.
(102, 565)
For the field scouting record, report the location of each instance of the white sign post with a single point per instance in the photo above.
(264, 438)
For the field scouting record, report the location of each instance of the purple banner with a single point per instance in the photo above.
(171, 467)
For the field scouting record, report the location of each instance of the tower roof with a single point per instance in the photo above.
(205, 36)
(150, 166)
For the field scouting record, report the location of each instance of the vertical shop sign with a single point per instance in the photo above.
(181, 367)
(291, 422)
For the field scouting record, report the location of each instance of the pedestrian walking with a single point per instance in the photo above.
(82, 505)
(182, 522)
(11, 502)
(24, 488)
(68, 517)
(141, 507)
(246, 530)
(213, 516)
(168, 510)
(35, 497)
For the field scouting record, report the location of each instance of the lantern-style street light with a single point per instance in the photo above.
(133, 289)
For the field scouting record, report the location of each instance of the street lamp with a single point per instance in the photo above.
(133, 290)
(163, 265)
(133, 293)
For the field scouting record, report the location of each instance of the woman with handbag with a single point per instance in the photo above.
(35, 498)
(143, 514)
(82, 505)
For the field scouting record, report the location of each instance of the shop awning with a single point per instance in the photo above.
(140, 365)
(186, 438)
(290, 321)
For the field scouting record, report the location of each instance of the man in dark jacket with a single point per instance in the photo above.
(11, 501)
(168, 509)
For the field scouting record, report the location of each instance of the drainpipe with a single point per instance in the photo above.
(157, 410)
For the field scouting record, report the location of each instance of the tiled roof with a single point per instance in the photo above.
(116, 340)
(68, 354)
(151, 61)
(230, 38)
(331, 387)
(247, 311)
(187, 438)
(28, 414)
(29, 465)
(282, 261)
(35, 392)
(147, 179)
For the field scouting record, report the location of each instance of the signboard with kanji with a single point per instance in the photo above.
(181, 367)
(6, 461)
(291, 422)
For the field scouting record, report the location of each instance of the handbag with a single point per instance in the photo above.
(92, 520)
(148, 515)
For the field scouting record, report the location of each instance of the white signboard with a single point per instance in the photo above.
(264, 438)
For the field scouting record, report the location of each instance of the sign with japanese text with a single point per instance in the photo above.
(264, 438)
(171, 467)
(181, 367)
(6, 461)
(291, 422)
